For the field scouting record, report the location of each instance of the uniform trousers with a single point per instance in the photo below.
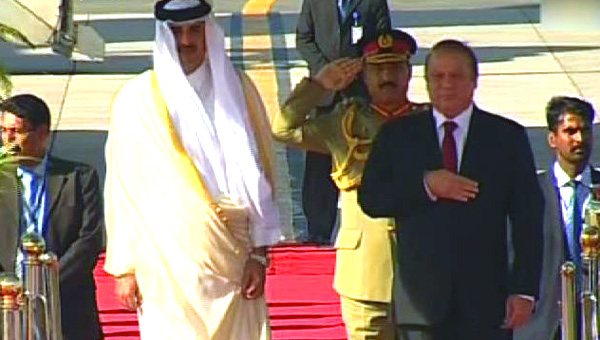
(367, 320)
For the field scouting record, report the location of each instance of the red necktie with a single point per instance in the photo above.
(449, 147)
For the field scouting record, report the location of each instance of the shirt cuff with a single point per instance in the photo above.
(428, 191)
(528, 297)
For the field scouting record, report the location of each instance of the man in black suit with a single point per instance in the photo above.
(452, 177)
(566, 187)
(326, 31)
(59, 199)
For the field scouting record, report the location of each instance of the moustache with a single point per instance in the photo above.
(388, 83)
(186, 49)
(580, 149)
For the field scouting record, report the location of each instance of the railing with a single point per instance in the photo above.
(31, 308)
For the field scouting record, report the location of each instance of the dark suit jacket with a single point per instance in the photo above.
(544, 323)
(452, 256)
(321, 39)
(74, 235)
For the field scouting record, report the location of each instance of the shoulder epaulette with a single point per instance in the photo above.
(420, 107)
(352, 102)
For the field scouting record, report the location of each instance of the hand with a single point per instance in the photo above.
(128, 292)
(445, 184)
(253, 280)
(518, 311)
(338, 74)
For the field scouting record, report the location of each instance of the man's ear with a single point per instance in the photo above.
(44, 131)
(551, 139)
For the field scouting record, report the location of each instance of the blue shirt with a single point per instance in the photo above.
(34, 204)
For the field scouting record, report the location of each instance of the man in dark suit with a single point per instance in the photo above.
(452, 177)
(326, 31)
(566, 187)
(59, 199)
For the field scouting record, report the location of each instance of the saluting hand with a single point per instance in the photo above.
(338, 74)
(445, 184)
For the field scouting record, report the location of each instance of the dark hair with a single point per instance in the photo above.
(561, 105)
(455, 46)
(29, 107)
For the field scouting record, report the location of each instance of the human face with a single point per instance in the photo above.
(191, 45)
(16, 130)
(450, 82)
(387, 83)
(572, 141)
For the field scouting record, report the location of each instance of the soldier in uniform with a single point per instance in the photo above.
(364, 265)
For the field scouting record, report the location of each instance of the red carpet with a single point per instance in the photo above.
(302, 304)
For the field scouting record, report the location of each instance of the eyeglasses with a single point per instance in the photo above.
(15, 131)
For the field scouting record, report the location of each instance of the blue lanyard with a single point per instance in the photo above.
(34, 204)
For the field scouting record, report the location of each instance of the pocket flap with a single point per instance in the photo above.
(348, 239)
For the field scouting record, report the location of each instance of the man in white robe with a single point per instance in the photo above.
(189, 199)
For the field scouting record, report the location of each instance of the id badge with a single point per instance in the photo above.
(356, 34)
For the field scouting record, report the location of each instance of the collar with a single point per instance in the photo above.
(402, 110)
(562, 179)
(37, 170)
(462, 120)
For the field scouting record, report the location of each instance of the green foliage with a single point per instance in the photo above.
(5, 84)
(7, 165)
(13, 161)
(13, 35)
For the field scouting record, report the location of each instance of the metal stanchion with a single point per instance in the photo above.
(33, 246)
(590, 239)
(11, 293)
(31, 308)
(568, 308)
(52, 293)
(592, 219)
(590, 304)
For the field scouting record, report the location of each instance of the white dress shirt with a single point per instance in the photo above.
(460, 133)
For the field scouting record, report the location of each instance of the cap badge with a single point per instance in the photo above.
(385, 41)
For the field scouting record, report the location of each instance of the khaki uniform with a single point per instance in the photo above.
(364, 261)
